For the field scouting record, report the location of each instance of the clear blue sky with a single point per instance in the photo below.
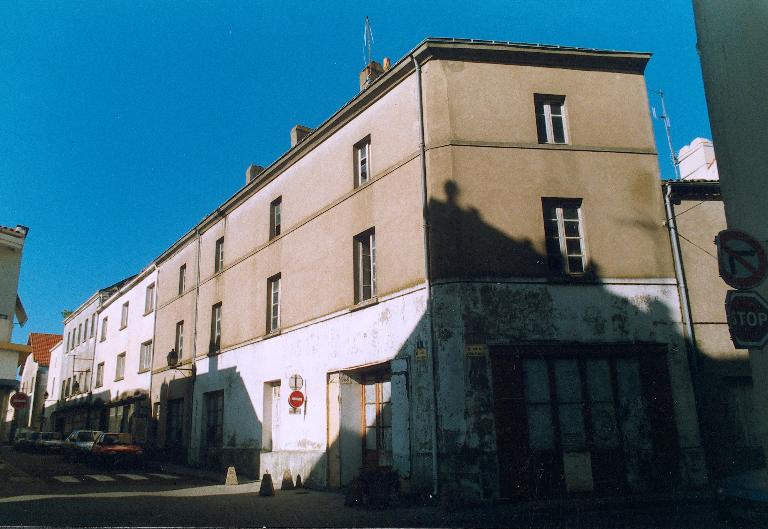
(124, 123)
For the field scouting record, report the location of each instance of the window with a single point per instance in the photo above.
(273, 303)
(79, 334)
(68, 338)
(145, 356)
(550, 118)
(182, 279)
(365, 265)
(85, 330)
(377, 410)
(218, 263)
(215, 329)
(214, 419)
(274, 217)
(103, 329)
(124, 316)
(362, 154)
(66, 388)
(120, 368)
(100, 375)
(149, 299)
(86, 380)
(93, 325)
(180, 338)
(174, 423)
(564, 236)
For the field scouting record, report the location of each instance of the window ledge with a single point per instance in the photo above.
(123, 327)
(119, 379)
(149, 312)
(364, 304)
(140, 371)
(272, 334)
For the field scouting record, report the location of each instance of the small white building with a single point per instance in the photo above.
(34, 379)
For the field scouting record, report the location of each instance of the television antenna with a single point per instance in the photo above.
(667, 126)
(368, 42)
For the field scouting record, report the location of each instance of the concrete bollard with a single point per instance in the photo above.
(231, 477)
(287, 483)
(267, 488)
(299, 483)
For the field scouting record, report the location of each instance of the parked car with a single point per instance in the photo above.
(49, 442)
(116, 448)
(79, 443)
(744, 497)
(20, 438)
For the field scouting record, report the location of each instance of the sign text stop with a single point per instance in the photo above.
(19, 400)
(747, 315)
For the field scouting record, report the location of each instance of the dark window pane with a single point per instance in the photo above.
(575, 265)
(556, 109)
(571, 213)
(573, 246)
(571, 229)
(550, 228)
(541, 128)
(558, 130)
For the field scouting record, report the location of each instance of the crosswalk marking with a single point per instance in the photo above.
(165, 476)
(67, 479)
(100, 477)
(134, 477)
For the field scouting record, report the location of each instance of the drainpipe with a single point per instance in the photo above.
(682, 287)
(194, 347)
(427, 275)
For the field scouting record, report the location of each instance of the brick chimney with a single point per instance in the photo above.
(298, 133)
(252, 172)
(369, 74)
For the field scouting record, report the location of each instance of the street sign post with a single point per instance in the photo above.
(19, 400)
(741, 259)
(296, 399)
(747, 314)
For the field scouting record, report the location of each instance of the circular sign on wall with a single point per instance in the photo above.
(296, 399)
(19, 400)
(741, 259)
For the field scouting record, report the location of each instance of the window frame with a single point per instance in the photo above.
(560, 264)
(104, 322)
(546, 101)
(273, 305)
(145, 356)
(124, 316)
(215, 338)
(362, 145)
(275, 220)
(99, 374)
(218, 255)
(120, 367)
(149, 299)
(182, 279)
(178, 343)
(365, 265)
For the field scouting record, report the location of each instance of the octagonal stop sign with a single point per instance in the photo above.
(747, 315)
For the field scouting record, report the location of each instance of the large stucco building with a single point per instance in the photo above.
(462, 271)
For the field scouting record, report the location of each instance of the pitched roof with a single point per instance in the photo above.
(42, 344)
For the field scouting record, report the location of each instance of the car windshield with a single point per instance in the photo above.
(115, 439)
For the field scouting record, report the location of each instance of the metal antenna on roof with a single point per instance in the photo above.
(368, 40)
(665, 118)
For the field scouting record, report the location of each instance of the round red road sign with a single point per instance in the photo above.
(19, 400)
(747, 315)
(296, 399)
(741, 259)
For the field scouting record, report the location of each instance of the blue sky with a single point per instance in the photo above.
(124, 123)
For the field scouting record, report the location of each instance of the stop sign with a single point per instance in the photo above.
(19, 400)
(747, 315)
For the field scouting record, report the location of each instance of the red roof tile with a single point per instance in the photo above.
(41, 346)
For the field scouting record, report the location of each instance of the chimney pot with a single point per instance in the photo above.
(386, 64)
(252, 172)
(298, 133)
(369, 74)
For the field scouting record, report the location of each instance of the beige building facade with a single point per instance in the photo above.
(463, 273)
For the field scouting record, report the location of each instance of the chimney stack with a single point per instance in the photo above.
(369, 74)
(252, 172)
(298, 133)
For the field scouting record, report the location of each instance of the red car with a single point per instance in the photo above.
(116, 448)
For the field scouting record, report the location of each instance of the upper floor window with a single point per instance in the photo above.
(273, 303)
(79, 334)
(550, 118)
(120, 367)
(145, 356)
(149, 299)
(215, 328)
(93, 325)
(362, 154)
(179, 344)
(182, 279)
(124, 316)
(365, 265)
(274, 217)
(69, 336)
(100, 375)
(103, 329)
(85, 330)
(564, 236)
(218, 258)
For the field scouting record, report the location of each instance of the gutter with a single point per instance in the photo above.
(427, 275)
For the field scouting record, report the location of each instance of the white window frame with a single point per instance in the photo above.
(215, 345)
(546, 101)
(558, 205)
(120, 367)
(178, 344)
(145, 356)
(99, 374)
(365, 265)
(104, 322)
(362, 154)
(182, 278)
(124, 316)
(275, 213)
(273, 303)
(149, 299)
(218, 257)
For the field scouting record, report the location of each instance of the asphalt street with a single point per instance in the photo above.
(38, 489)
